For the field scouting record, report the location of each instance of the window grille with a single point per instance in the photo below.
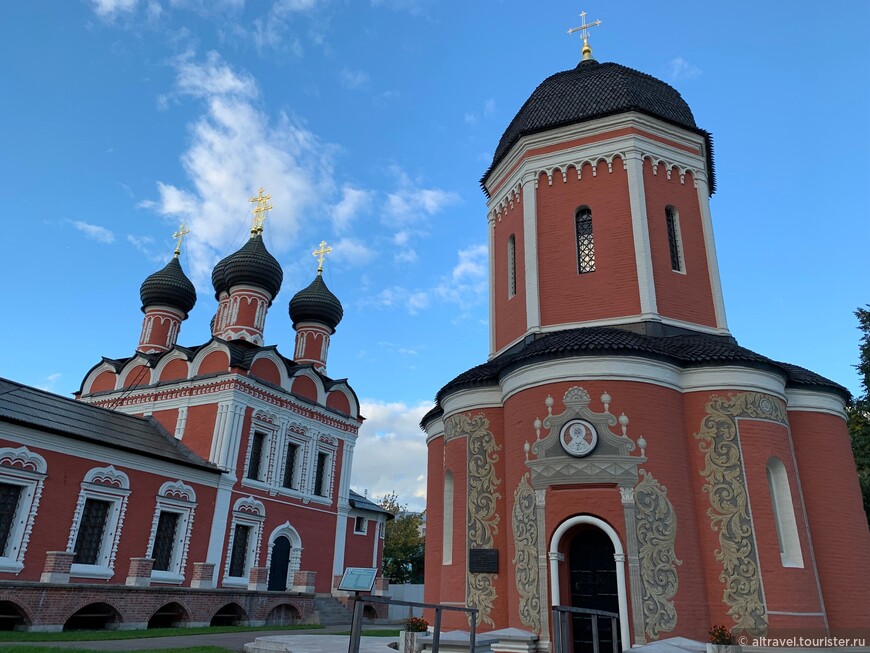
(585, 242)
(320, 477)
(239, 558)
(89, 540)
(512, 266)
(290, 466)
(256, 456)
(10, 495)
(164, 540)
(674, 239)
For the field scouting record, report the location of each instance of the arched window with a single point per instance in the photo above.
(512, 266)
(783, 514)
(585, 243)
(447, 543)
(675, 241)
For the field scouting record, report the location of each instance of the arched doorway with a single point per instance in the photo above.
(279, 565)
(592, 585)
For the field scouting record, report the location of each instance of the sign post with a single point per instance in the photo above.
(356, 580)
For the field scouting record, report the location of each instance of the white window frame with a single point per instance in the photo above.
(678, 239)
(179, 498)
(783, 514)
(298, 466)
(328, 446)
(512, 265)
(27, 469)
(102, 484)
(365, 525)
(247, 511)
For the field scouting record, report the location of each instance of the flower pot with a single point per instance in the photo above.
(408, 642)
(724, 648)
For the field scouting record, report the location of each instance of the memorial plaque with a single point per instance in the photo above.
(483, 561)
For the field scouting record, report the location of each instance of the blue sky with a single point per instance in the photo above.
(370, 122)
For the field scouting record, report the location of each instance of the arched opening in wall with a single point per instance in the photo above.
(94, 616)
(447, 529)
(279, 565)
(231, 614)
(592, 585)
(283, 615)
(171, 615)
(12, 616)
(369, 613)
(783, 514)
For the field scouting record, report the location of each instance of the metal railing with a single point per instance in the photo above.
(561, 632)
(359, 601)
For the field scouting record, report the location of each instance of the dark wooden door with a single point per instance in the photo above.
(592, 574)
(280, 564)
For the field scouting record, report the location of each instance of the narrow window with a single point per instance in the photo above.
(585, 243)
(360, 526)
(783, 514)
(89, 540)
(256, 456)
(239, 557)
(512, 266)
(10, 495)
(320, 488)
(290, 466)
(447, 529)
(674, 241)
(164, 540)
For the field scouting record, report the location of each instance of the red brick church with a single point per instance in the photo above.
(188, 485)
(619, 450)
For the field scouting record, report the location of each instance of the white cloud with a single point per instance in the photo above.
(410, 202)
(352, 252)
(403, 256)
(384, 98)
(679, 68)
(467, 284)
(353, 78)
(49, 382)
(213, 77)
(472, 117)
(111, 8)
(94, 232)
(354, 201)
(390, 454)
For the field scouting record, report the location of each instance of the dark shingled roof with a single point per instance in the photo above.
(685, 351)
(596, 90)
(316, 303)
(168, 287)
(360, 502)
(252, 265)
(21, 404)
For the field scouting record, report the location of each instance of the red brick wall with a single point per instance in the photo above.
(265, 369)
(216, 361)
(176, 369)
(510, 312)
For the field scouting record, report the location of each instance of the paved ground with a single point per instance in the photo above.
(304, 642)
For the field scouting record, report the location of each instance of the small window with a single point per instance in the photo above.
(585, 242)
(256, 462)
(512, 266)
(675, 243)
(783, 514)
(290, 478)
(360, 526)
(239, 558)
(164, 541)
(10, 496)
(320, 480)
(92, 527)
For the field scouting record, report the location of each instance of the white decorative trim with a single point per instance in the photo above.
(468, 399)
(783, 514)
(530, 254)
(271, 355)
(247, 511)
(640, 230)
(295, 563)
(352, 402)
(94, 373)
(619, 560)
(179, 498)
(710, 247)
(26, 469)
(732, 377)
(815, 401)
(318, 383)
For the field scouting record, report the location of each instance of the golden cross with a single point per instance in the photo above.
(584, 32)
(262, 202)
(179, 236)
(321, 253)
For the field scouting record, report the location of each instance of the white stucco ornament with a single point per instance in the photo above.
(578, 438)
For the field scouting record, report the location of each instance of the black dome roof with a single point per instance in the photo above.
(252, 265)
(593, 90)
(316, 303)
(168, 287)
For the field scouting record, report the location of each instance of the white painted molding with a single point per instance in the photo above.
(815, 401)
(530, 255)
(733, 377)
(471, 399)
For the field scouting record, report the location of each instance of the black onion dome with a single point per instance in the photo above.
(316, 303)
(252, 265)
(593, 90)
(168, 287)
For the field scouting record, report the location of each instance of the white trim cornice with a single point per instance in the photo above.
(812, 400)
(472, 399)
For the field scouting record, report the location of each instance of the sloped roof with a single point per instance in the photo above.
(27, 406)
(360, 502)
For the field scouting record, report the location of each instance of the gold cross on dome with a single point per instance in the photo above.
(179, 236)
(321, 253)
(262, 202)
(584, 32)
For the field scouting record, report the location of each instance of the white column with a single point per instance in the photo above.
(492, 273)
(232, 438)
(340, 538)
(619, 559)
(219, 522)
(530, 250)
(640, 229)
(555, 559)
(710, 247)
(217, 438)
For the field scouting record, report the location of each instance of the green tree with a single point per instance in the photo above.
(859, 411)
(403, 543)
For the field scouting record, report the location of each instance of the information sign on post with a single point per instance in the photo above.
(358, 579)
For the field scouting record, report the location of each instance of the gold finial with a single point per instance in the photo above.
(179, 236)
(584, 32)
(321, 253)
(262, 202)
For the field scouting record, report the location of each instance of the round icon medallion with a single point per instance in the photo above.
(578, 438)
